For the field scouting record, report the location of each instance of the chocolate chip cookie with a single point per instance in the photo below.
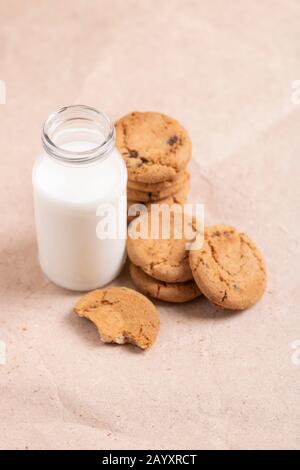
(153, 196)
(176, 292)
(155, 147)
(161, 252)
(229, 270)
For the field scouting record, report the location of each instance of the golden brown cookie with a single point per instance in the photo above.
(179, 197)
(138, 209)
(229, 270)
(155, 147)
(143, 196)
(176, 292)
(154, 187)
(121, 315)
(160, 251)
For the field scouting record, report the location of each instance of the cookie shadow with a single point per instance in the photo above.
(199, 308)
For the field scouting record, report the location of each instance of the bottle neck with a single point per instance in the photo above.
(78, 135)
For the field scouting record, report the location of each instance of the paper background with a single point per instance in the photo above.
(213, 380)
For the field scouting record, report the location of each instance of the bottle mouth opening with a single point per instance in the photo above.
(78, 134)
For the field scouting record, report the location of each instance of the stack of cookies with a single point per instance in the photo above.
(160, 267)
(156, 150)
(226, 266)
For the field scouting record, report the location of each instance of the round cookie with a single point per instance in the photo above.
(179, 197)
(154, 187)
(176, 292)
(134, 194)
(160, 252)
(154, 146)
(228, 269)
(121, 315)
(138, 209)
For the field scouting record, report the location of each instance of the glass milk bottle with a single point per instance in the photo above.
(79, 186)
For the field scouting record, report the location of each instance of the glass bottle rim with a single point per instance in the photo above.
(69, 114)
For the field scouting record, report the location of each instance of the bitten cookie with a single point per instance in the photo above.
(155, 147)
(229, 270)
(121, 315)
(160, 251)
(170, 292)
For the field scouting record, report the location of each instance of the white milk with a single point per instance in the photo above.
(77, 250)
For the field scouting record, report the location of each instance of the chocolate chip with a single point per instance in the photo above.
(133, 153)
(172, 140)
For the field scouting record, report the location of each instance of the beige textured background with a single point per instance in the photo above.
(213, 380)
